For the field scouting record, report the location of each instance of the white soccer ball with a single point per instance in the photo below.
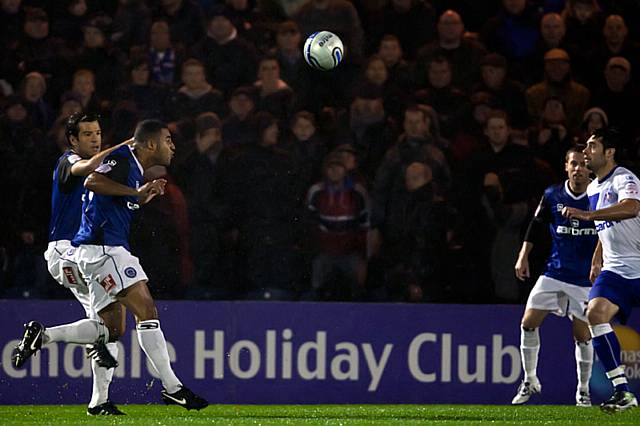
(323, 50)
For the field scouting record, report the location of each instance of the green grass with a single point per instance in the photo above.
(317, 415)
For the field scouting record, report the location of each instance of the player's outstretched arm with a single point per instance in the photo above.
(596, 262)
(85, 166)
(101, 184)
(625, 209)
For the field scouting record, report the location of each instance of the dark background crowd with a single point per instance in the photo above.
(406, 174)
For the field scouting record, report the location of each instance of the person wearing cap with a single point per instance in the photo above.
(618, 97)
(558, 83)
(338, 212)
(464, 54)
(237, 126)
(507, 93)
(230, 60)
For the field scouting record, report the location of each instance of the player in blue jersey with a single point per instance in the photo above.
(84, 136)
(614, 199)
(563, 288)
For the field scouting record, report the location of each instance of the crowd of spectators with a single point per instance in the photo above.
(406, 174)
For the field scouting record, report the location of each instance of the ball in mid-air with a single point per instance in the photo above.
(323, 50)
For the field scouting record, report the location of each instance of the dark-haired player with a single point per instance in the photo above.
(614, 199)
(84, 136)
(563, 288)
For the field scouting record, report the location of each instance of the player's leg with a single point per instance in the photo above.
(114, 318)
(584, 361)
(605, 343)
(529, 349)
(138, 300)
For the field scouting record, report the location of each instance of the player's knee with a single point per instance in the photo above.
(596, 315)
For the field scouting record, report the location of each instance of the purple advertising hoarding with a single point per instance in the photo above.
(312, 353)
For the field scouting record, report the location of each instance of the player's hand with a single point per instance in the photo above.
(522, 268)
(594, 272)
(150, 190)
(573, 213)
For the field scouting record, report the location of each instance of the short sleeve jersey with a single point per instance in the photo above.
(106, 220)
(66, 199)
(620, 239)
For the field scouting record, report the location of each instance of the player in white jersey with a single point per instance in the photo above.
(614, 199)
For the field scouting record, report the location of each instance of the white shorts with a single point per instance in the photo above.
(60, 257)
(561, 298)
(107, 270)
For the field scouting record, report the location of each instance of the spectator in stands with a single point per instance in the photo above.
(549, 139)
(70, 103)
(373, 134)
(160, 238)
(196, 94)
(83, 85)
(377, 75)
(131, 24)
(583, 22)
(67, 24)
(450, 103)
(251, 23)
(274, 95)
(11, 23)
(199, 178)
(263, 185)
(230, 60)
(558, 83)
(338, 16)
(306, 147)
(593, 119)
(411, 21)
(508, 93)
(165, 58)
(237, 128)
(416, 144)
(463, 54)
(552, 33)
(293, 68)
(616, 43)
(507, 219)
(185, 20)
(390, 51)
(618, 97)
(416, 243)
(513, 33)
(97, 55)
(148, 97)
(33, 90)
(338, 211)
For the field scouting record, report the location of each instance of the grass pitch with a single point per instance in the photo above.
(317, 415)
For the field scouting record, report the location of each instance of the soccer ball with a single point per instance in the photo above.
(323, 50)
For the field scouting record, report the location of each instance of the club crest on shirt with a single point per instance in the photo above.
(130, 272)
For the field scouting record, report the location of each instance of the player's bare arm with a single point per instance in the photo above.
(85, 166)
(100, 184)
(596, 262)
(522, 264)
(625, 209)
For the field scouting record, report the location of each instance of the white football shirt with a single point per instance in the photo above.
(620, 239)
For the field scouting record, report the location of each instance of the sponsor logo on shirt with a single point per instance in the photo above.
(68, 274)
(108, 283)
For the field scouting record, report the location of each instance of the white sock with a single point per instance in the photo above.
(584, 363)
(102, 378)
(83, 331)
(154, 345)
(529, 348)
